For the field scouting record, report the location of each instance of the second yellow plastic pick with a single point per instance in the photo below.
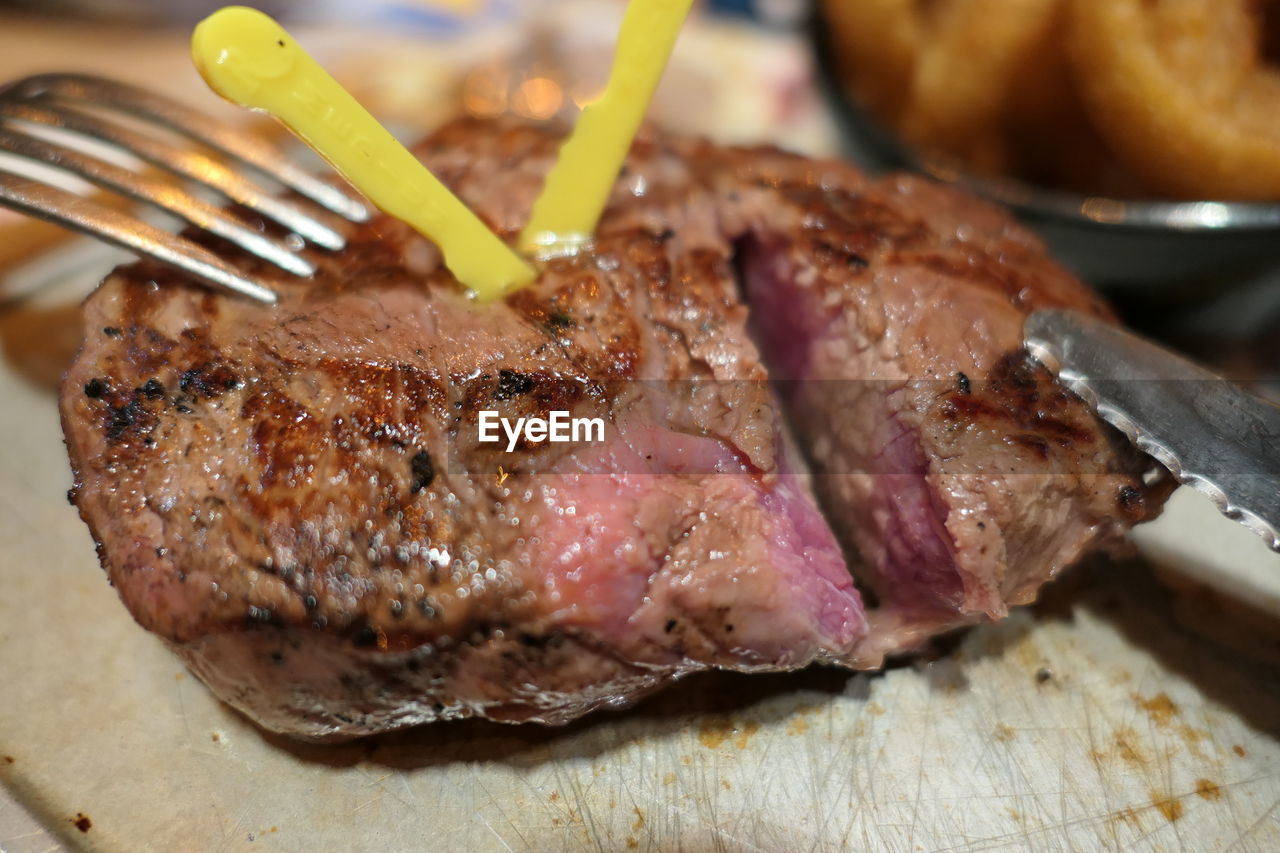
(578, 187)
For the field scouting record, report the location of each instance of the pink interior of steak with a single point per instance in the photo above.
(297, 501)
(753, 565)
(959, 476)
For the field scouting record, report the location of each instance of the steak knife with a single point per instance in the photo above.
(1211, 434)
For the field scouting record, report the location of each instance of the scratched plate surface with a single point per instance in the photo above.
(1131, 709)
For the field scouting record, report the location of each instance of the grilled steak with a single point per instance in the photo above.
(960, 474)
(297, 499)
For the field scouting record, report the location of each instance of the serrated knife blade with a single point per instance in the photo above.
(1211, 434)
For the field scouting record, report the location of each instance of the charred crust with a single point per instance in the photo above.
(130, 420)
(208, 381)
(111, 331)
(512, 384)
(152, 389)
(962, 382)
(1024, 400)
(422, 471)
(1016, 369)
(95, 389)
(522, 392)
(1131, 502)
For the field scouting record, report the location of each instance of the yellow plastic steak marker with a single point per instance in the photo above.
(577, 190)
(249, 59)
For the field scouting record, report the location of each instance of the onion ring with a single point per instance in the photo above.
(877, 45)
(939, 73)
(1051, 141)
(972, 52)
(1130, 98)
(1191, 124)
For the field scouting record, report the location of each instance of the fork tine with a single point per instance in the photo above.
(185, 163)
(163, 194)
(195, 125)
(79, 214)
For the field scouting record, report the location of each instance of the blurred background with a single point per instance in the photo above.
(741, 66)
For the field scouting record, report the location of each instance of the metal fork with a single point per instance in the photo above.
(230, 162)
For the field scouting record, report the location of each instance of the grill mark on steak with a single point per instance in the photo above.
(512, 384)
(318, 533)
(1024, 395)
(207, 381)
(129, 421)
(285, 435)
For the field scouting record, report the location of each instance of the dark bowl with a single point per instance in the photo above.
(1195, 245)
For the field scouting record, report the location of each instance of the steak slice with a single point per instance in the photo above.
(957, 469)
(295, 498)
